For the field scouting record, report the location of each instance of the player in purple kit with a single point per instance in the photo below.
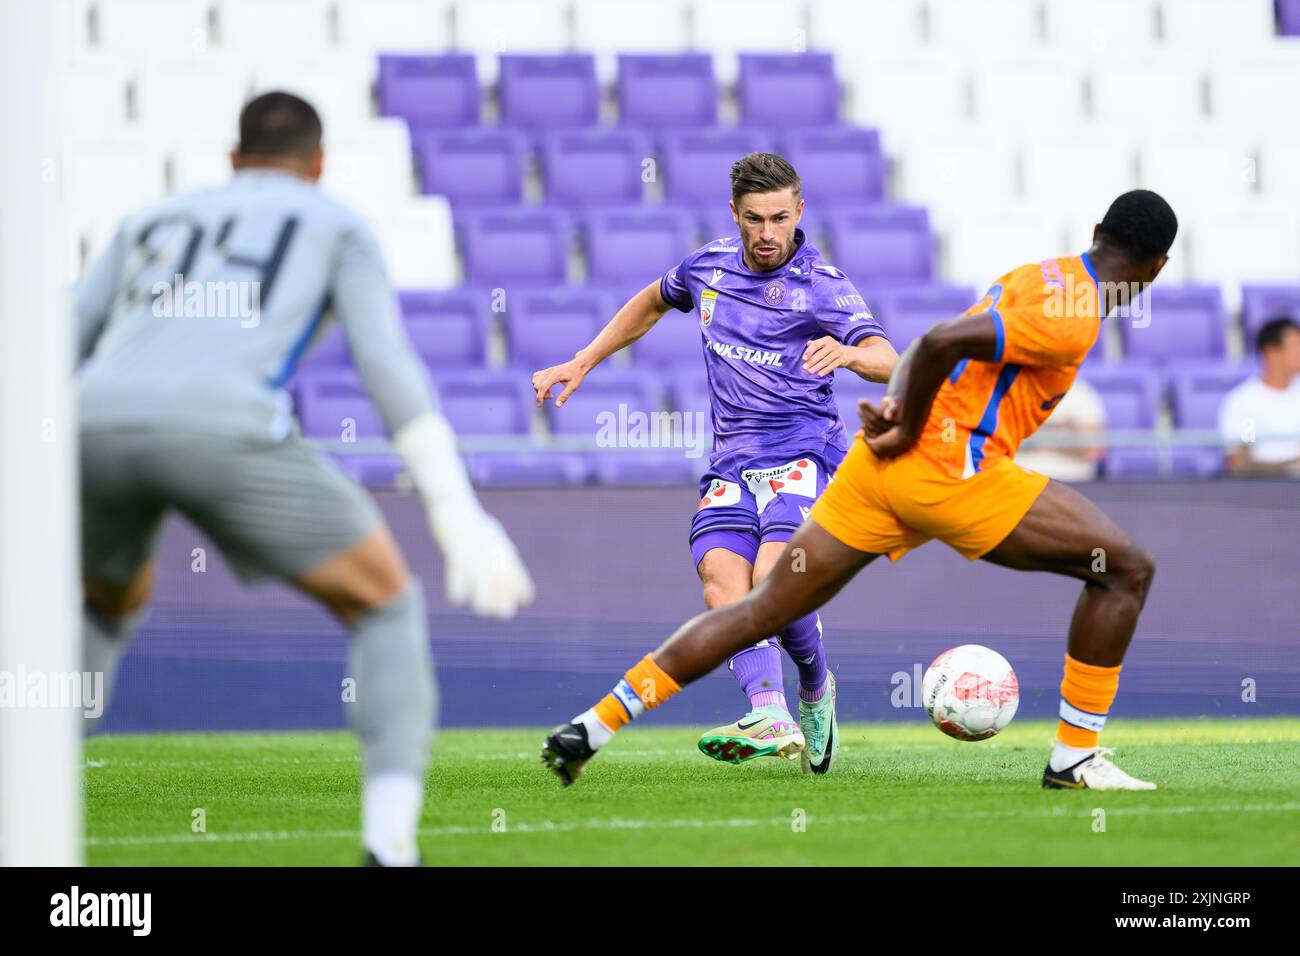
(776, 322)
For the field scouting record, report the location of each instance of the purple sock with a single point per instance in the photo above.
(802, 640)
(758, 669)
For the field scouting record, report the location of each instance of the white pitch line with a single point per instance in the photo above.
(618, 823)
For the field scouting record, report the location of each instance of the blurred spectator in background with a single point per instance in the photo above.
(1079, 413)
(1260, 418)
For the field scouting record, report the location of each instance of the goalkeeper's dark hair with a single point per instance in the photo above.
(1141, 225)
(279, 124)
(763, 173)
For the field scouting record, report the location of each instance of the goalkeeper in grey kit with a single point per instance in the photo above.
(190, 413)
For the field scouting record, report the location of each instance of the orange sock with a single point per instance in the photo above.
(1087, 691)
(643, 688)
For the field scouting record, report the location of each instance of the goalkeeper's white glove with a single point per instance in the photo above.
(484, 569)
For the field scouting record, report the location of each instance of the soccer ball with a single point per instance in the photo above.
(970, 692)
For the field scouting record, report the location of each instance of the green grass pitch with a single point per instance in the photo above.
(901, 794)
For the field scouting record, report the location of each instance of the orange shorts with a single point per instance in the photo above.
(890, 506)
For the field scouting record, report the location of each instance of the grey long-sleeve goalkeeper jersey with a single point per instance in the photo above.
(200, 309)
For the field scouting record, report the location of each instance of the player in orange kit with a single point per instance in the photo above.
(936, 460)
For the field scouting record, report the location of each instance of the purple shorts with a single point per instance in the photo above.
(741, 507)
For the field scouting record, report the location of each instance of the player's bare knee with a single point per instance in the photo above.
(1133, 569)
(718, 593)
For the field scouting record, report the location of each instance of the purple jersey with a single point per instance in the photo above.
(755, 327)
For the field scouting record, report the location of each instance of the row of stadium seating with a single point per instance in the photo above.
(300, 29)
(332, 406)
(536, 327)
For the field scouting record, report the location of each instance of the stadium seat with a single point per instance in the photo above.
(1095, 167)
(674, 342)
(1197, 391)
(525, 246)
(493, 27)
(626, 248)
(196, 164)
(846, 29)
(274, 30)
(1004, 24)
(429, 91)
(605, 400)
(1279, 171)
(697, 164)
(727, 28)
(1193, 173)
(609, 30)
(527, 469)
(1288, 17)
(1136, 93)
(339, 89)
(1259, 244)
(417, 241)
(1256, 90)
(333, 404)
(1101, 28)
(367, 28)
(369, 164)
(652, 468)
(95, 100)
(597, 166)
(1027, 93)
(906, 313)
(485, 402)
(848, 388)
(544, 328)
(951, 173)
(1131, 396)
(1180, 322)
(1260, 303)
(549, 92)
(837, 164)
(103, 182)
(788, 89)
(1212, 23)
(202, 96)
(329, 352)
(156, 31)
(667, 91)
(980, 246)
(881, 243)
(447, 328)
(903, 95)
(473, 167)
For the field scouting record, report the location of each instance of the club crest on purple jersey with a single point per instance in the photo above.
(774, 292)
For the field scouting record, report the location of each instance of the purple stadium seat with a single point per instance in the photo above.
(675, 341)
(697, 164)
(788, 89)
(525, 245)
(849, 387)
(485, 402)
(1197, 391)
(1260, 303)
(1131, 397)
(545, 328)
(882, 244)
(667, 91)
(1288, 17)
(472, 166)
(627, 248)
(524, 469)
(837, 165)
(1185, 322)
(591, 167)
(373, 471)
(330, 351)
(541, 92)
(430, 91)
(906, 313)
(334, 405)
(605, 402)
(653, 467)
(447, 328)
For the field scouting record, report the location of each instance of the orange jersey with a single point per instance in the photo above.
(1046, 318)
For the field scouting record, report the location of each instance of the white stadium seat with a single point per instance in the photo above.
(1238, 23)
(1193, 172)
(368, 28)
(370, 165)
(1263, 91)
(1026, 92)
(1150, 91)
(728, 27)
(607, 29)
(855, 30)
(274, 30)
(417, 240)
(904, 94)
(1255, 243)
(951, 173)
(198, 164)
(1279, 171)
(981, 245)
(105, 181)
(95, 99)
(203, 96)
(1098, 28)
(1087, 170)
(153, 31)
(491, 27)
(987, 25)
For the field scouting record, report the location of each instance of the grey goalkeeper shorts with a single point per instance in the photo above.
(273, 508)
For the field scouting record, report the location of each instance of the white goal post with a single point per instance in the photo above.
(40, 741)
